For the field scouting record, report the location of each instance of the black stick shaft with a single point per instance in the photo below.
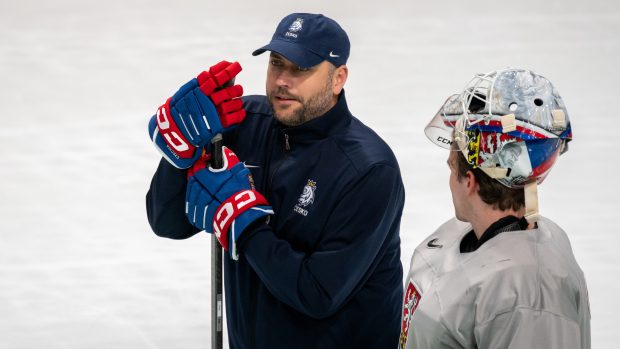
(217, 300)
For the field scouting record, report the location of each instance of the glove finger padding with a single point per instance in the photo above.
(200, 206)
(196, 116)
(233, 119)
(218, 97)
(181, 117)
(195, 110)
(217, 76)
(230, 106)
(192, 194)
(209, 117)
(225, 71)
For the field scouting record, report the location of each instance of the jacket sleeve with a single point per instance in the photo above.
(165, 203)
(359, 231)
(525, 327)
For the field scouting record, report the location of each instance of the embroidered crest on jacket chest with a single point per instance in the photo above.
(306, 198)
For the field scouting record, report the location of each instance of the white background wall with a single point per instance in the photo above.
(79, 266)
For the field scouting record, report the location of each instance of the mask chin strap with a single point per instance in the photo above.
(495, 172)
(531, 202)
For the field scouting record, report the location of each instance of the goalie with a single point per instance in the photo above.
(498, 275)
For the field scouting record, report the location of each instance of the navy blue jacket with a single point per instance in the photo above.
(325, 272)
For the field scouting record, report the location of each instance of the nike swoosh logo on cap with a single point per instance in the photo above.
(331, 54)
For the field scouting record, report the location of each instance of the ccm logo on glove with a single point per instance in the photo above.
(171, 132)
(232, 208)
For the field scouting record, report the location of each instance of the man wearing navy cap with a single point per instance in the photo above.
(309, 208)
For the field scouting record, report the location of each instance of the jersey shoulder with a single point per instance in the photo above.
(447, 236)
(440, 250)
(364, 146)
(534, 269)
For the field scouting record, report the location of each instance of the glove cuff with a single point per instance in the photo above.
(245, 221)
(232, 208)
(166, 151)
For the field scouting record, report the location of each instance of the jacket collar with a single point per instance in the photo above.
(335, 119)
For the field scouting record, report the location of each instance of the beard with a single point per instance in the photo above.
(310, 108)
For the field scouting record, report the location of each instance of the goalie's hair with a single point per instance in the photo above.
(491, 191)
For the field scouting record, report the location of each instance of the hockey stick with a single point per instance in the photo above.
(217, 299)
(216, 262)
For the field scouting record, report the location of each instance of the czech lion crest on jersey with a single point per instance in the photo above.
(412, 299)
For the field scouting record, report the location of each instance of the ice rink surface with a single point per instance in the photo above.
(79, 265)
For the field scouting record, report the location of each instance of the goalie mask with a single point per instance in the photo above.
(512, 124)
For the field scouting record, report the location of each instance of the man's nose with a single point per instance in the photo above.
(284, 79)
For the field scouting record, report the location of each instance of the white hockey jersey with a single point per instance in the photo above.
(520, 289)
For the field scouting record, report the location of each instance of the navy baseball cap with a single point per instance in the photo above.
(308, 39)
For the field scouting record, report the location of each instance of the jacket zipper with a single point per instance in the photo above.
(287, 149)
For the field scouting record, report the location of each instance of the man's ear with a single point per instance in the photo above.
(340, 77)
(472, 183)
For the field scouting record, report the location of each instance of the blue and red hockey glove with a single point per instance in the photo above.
(200, 109)
(223, 201)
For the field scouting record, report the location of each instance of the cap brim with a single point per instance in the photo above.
(293, 52)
